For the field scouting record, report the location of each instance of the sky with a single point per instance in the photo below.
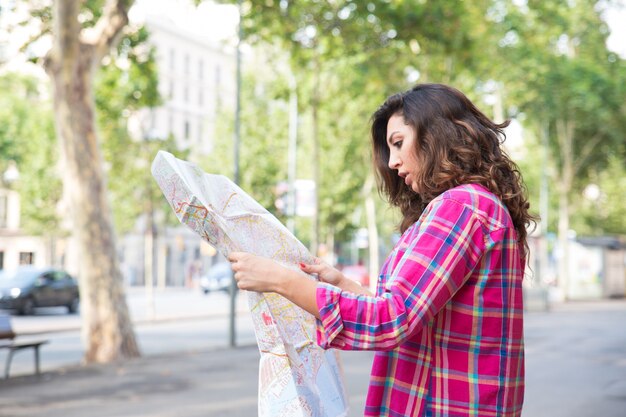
(214, 21)
(219, 21)
(615, 17)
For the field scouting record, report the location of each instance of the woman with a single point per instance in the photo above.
(446, 321)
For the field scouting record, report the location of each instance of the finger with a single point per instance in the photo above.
(236, 256)
(312, 269)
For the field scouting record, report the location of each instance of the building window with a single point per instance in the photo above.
(27, 258)
(218, 82)
(201, 69)
(172, 59)
(218, 75)
(187, 128)
(171, 92)
(1, 260)
(3, 210)
(200, 98)
(186, 94)
(186, 64)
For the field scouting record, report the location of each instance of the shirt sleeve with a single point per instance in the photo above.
(432, 262)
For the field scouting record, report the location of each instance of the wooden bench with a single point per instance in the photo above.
(7, 341)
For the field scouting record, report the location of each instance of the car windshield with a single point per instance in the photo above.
(18, 277)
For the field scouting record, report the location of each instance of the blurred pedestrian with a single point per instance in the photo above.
(446, 321)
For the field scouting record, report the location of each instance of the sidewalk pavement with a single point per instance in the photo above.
(219, 382)
(576, 367)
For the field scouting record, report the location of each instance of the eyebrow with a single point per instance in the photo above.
(391, 136)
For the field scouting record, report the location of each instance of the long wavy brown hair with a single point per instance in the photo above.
(455, 144)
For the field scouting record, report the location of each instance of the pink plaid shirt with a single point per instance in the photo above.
(447, 319)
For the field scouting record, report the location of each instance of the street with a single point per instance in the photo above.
(575, 365)
(200, 320)
(576, 361)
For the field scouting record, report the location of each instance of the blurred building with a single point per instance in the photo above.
(196, 70)
(196, 65)
(596, 270)
(195, 58)
(16, 246)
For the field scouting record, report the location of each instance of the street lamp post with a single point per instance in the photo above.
(147, 133)
(237, 138)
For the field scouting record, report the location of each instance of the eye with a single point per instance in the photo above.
(398, 144)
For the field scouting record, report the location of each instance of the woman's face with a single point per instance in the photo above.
(401, 141)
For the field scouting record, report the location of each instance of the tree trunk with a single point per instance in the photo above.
(315, 101)
(107, 328)
(372, 231)
(564, 133)
(563, 228)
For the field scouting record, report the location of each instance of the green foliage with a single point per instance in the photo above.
(127, 83)
(548, 57)
(27, 136)
(264, 147)
(560, 75)
(604, 213)
(263, 142)
(347, 57)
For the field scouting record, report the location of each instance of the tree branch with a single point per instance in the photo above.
(108, 28)
(586, 153)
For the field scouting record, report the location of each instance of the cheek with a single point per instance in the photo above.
(412, 161)
(417, 169)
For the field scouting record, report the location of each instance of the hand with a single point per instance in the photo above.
(325, 272)
(255, 273)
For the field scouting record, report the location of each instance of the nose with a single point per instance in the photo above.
(394, 161)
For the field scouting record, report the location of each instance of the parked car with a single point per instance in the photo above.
(218, 278)
(357, 273)
(28, 287)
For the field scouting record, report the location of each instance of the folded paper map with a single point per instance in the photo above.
(297, 378)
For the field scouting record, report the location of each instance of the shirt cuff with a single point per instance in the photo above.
(330, 323)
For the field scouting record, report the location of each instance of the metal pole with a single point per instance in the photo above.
(543, 191)
(149, 246)
(233, 286)
(543, 213)
(148, 249)
(238, 97)
(292, 152)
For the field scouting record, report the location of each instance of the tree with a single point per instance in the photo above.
(600, 207)
(346, 57)
(127, 86)
(264, 120)
(76, 53)
(27, 137)
(571, 89)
